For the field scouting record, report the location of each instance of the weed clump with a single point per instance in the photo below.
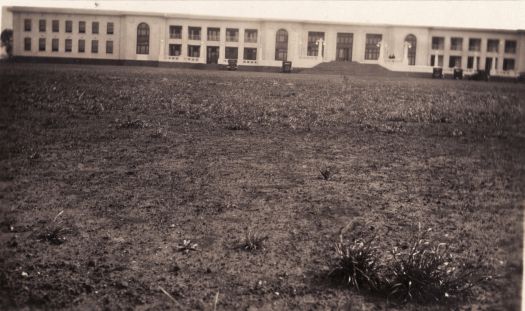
(427, 273)
(252, 241)
(424, 273)
(356, 265)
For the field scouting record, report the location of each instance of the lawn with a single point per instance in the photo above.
(136, 187)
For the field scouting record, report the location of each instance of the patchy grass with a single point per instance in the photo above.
(140, 159)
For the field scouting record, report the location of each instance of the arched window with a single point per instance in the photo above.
(411, 39)
(143, 38)
(281, 45)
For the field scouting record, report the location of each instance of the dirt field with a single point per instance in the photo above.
(105, 171)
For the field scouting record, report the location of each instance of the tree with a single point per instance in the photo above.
(7, 41)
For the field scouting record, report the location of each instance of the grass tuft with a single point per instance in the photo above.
(252, 241)
(356, 265)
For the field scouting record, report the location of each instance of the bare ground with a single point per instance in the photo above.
(124, 164)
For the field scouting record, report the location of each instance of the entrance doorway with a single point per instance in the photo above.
(488, 64)
(212, 55)
(344, 46)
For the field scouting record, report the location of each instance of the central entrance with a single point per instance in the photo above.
(344, 46)
(212, 55)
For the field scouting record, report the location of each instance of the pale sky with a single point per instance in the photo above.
(475, 14)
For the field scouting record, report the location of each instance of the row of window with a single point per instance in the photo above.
(474, 44)
(68, 45)
(214, 34)
(344, 40)
(229, 52)
(68, 26)
(455, 61)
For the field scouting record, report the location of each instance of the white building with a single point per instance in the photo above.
(173, 38)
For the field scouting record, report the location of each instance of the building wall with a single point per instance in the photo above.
(125, 39)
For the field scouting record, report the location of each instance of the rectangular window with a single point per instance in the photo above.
(470, 63)
(175, 49)
(109, 28)
(27, 44)
(54, 45)
(214, 34)
(194, 33)
(175, 32)
(510, 46)
(94, 46)
(456, 44)
(69, 45)
(438, 43)
(81, 27)
(94, 27)
(27, 25)
(492, 45)
(42, 25)
(250, 54)
(313, 43)
(81, 46)
(231, 53)
(474, 45)
(454, 62)
(109, 47)
(69, 26)
(250, 35)
(371, 47)
(42, 44)
(232, 35)
(508, 64)
(55, 25)
(194, 50)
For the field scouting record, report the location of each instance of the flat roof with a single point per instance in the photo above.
(227, 18)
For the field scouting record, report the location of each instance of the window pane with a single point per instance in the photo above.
(175, 32)
(510, 47)
(27, 44)
(69, 26)
(54, 45)
(81, 46)
(27, 25)
(250, 54)
(42, 44)
(313, 38)
(143, 38)
(194, 33)
(82, 27)
(42, 25)
(250, 35)
(55, 26)
(110, 28)
(232, 35)
(371, 47)
(231, 53)
(94, 27)
(94, 46)
(109, 47)
(194, 50)
(214, 34)
(175, 49)
(69, 45)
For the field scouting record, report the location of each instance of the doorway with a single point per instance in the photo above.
(344, 46)
(212, 55)
(488, 64)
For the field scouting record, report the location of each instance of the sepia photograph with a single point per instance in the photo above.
(262, 155)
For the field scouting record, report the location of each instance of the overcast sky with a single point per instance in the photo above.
(477, 14)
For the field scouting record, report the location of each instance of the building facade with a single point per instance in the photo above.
(115, 35)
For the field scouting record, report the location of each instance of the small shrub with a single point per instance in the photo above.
(426, 273)
(252, 241)
(356, 265)
(327, 172)
(187, 246)
(54, 231)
